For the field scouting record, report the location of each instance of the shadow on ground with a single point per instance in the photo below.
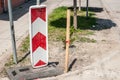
(19, 11)
(91, 9)
(103, 24)
(84, 23)
(24, 57)
(72, 63)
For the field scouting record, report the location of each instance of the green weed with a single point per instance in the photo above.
(25, 45)
(85, 39)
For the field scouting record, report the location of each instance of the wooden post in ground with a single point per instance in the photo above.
(87, 4)
(67, 41)
(75, 14)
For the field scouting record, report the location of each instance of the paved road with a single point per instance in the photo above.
(112, 7)
(112, 4)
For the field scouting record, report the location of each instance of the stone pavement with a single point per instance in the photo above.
(113, 9)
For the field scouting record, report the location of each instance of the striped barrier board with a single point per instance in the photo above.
(38, 36)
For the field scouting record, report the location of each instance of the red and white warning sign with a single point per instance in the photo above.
(38, 36)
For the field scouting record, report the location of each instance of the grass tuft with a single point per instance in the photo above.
(10, 62)
(85, 39)
(25, 45)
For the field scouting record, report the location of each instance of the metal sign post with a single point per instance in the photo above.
(12, 31)
(38, 2)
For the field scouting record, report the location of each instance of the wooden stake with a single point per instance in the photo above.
(67, 41)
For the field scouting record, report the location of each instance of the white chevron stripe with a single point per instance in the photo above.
(40, 54)
(38, 26)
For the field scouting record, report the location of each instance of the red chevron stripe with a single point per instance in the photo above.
(39, 40)
(38, 12)
(40, 63)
